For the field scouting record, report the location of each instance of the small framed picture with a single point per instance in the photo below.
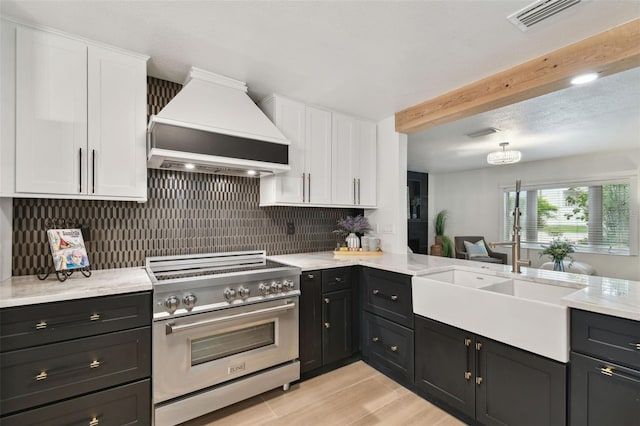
(67, 249)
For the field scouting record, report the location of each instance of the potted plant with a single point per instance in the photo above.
(353, 228)
(557, 251)
(441, 239)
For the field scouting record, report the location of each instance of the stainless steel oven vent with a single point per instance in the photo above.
(538, 11)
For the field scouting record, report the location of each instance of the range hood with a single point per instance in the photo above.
(212, 126)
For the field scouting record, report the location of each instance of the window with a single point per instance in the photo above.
(595, 216)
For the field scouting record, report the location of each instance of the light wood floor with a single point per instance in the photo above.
(352, 395)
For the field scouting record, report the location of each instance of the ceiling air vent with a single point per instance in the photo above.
(539, 11)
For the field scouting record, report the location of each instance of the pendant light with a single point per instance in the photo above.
(504, 156)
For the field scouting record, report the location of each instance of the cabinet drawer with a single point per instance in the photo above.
(53, 372)
(388, 294)
(32, 325)
(388, 345)
(336, 279)
(125, 405)
(609, 338)
(603, 393)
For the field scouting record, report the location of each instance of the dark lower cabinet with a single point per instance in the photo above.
(329, 329)
(488, 381)
(605, 370)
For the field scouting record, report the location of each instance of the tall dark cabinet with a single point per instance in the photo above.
(417, 198)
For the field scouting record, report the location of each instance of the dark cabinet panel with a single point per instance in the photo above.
(56, 371)
(336, 330)
(27, 326)
(388, 294)
(336, 279)
(388, 346)
(517, 387)
(445, 364)
(310, 321)
(125, 405)
(606, 337)
(603, 393)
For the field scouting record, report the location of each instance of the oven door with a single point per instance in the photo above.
(194, 352)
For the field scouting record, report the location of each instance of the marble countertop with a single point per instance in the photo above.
(610, 296)
(29, 290)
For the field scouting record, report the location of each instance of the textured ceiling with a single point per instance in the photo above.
(364, 58)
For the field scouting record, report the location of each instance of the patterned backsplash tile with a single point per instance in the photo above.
(185, 213)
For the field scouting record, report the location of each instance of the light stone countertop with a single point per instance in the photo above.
(610, 296)
(29, 290)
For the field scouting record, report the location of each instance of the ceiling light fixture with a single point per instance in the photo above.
(189, 166)
(483, 132)
(251, 172)
(584, 78)
(504, 156)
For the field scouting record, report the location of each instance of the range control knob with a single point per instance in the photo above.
(229, 294)
(244, 292)
(189, 301)
(264, 289)
(172, 303)
(289, 285)
(276, 287)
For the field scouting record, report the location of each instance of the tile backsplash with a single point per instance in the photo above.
(185, 213)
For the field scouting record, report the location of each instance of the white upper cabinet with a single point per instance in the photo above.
(309, 132)
(80, 118)
(332, 158)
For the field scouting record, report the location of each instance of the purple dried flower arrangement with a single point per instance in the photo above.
(358, 225)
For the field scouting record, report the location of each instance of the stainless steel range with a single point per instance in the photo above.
(225, 329)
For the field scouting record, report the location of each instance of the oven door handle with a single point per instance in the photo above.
(172, 328)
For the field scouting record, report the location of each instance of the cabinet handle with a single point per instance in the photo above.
(310, 276)
(393, 348)
(467, 375)
(80, 170)
(327, 300)
(637, 346)
(41, 325)
(327, 325)
(309, 187)
(358, 190)
(94, 317)
(467, 342)
(478, 380)
(338, 279)
(41, 376)
(394, 297)
(94, 422)
(478, 346)
(375, 291)
(375, 339)
(304, 189)
(93, 171)
(94, 364)
(607, 371)
(354, 190)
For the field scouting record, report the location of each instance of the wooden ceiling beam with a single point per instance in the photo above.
(612, 51)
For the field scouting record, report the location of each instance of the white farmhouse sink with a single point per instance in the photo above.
(521, 313)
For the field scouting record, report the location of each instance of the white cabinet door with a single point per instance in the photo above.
(343, 154)
(290, 119)
(367, 164)
(51, 113)
(318, 156)
(117, 121)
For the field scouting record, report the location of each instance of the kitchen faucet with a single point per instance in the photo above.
(515, 241)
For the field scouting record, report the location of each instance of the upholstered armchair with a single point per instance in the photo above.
(490, 256)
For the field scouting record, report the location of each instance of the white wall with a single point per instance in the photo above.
(390, 218)
(473, 199)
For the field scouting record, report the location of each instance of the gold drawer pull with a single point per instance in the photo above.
(478, 380)
(467, 375)
(467, 342)
(327, 300)
(607, 371)
(94, 421)
(327, 325)
(478, 346)
(394, 297)
(338, 279)
(94, 317)
(393, 348)
(94, 364)
(41, 376)
(41, 325)
(375, 339)
(375, 291)
(638, 346)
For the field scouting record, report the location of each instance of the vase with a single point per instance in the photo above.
(558, 265)
(353, 242)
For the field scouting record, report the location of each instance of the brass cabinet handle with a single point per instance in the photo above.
(310, 276)
(358, 190)
(41, 376)
(80, 170)
(303, 188)
(638, 346)
(478, 346)
(375, 339)
(41, 325)
(94, 422)
(478, 380)
(467, 375)
(94, 364)
(375, 291)
(354, 190)
(309, 188)
(394, 297)
(93, 171)
(607, 371)
(327, 300)
(393, 348)
(94, 317)
(327, 325)
(338, 279)
(467, 342)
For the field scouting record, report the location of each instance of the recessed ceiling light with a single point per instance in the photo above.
(189, 166)
(584, 78)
